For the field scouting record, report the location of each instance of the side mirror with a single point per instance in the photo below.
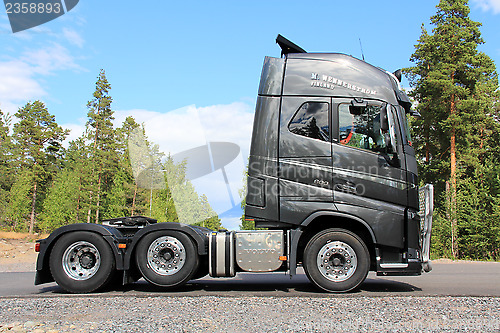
(388, 127)
(384, 119)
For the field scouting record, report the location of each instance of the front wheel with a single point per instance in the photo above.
(82, 262)
(167, 258)
(336, 260)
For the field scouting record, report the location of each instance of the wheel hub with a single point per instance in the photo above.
(166, 255)
(337, 261)
(81, 260)
(87, 260)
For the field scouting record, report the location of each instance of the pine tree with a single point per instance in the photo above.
(101, 137)
(135, 197)
(456, 89)
(38, 138)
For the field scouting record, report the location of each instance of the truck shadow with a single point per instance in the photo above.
(388, 286)
(244, 284)
(271, 285)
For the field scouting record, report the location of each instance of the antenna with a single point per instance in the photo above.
(361, 46)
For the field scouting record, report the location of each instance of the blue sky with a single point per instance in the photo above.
(200, 58)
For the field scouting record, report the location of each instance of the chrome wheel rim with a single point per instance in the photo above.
(337, 261)
(166, 255)
(81, 260)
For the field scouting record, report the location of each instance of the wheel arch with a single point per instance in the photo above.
(323, 220)
(111, 235)
(200, 241)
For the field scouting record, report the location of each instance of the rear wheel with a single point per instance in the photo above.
(336, 260)
(167, 258)
(82, 262)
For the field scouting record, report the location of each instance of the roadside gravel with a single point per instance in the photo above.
(336, 313)
(249, 314)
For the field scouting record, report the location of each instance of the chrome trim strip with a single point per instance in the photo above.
(394, 265)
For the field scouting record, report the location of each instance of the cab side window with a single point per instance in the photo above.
(359, 127)
(311, 120)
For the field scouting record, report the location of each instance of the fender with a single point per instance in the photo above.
(197, 235)
(110, 234)
(317, 214)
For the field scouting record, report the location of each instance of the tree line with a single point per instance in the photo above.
(44, 186)
(457, 139)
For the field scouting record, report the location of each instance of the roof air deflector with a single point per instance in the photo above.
(288, 46)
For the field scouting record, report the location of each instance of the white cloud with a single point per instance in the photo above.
(190, 127)
(73, 37)
(21, 77)
(488, 5)
(17, 81)
(50, 59)
(76, 131)
(8, 107)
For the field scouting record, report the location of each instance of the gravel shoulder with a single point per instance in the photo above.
(250, 314)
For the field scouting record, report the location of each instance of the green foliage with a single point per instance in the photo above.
(6, 162)
(456, 88)
(38, 141)
(247, 224)
(60, 206)
(19, 204)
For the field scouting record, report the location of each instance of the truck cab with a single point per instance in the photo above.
(331, 149)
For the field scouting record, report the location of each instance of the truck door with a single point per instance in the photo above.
(305, 157)
(367, 178)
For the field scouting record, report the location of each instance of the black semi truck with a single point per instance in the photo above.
(332, 178)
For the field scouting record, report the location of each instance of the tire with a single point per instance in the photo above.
(167, 258)
(82, 262)
(336, 260)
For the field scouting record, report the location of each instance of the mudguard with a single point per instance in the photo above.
(110, 234)
(198, 234)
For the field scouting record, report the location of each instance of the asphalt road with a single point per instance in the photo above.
(446, 279)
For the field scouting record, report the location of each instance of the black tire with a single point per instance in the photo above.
(167, 258)
(336, 260)
(82, 262)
